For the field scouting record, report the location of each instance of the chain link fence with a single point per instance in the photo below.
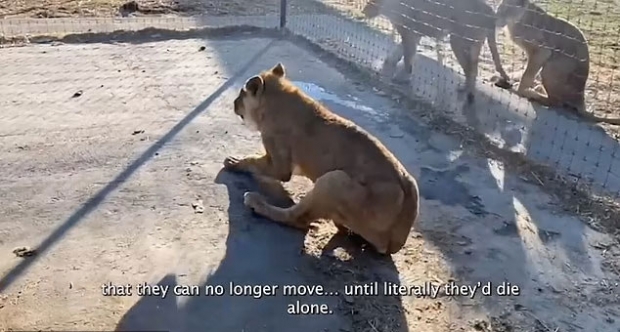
(588, 153)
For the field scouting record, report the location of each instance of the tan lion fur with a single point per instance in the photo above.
(555, 48)
(467, 22)
(358, 183)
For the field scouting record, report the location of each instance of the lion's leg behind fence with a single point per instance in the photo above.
(467, 53)
(410, 42)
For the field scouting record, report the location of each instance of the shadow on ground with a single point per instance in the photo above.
(547, 231)
(510, 232)
(573, 146)
(93, 202)
(256, 253)
(259, 252)
(489, 225)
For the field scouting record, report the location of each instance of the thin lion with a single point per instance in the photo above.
(468, 22)
(557, 49)
(358, 183)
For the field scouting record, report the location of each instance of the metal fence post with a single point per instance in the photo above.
(282, 13)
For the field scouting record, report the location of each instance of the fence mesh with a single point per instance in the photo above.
(586, 152)
(53, 95)
(117, 102)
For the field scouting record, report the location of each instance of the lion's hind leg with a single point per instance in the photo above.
(274, 190)
(538, 94)
(368, 211)
(534, 95)
(332, 194)
(563, 87)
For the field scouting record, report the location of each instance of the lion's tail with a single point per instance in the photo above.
(408, 214)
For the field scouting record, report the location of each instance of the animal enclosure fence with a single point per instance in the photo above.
(586, 152)
(589, 154)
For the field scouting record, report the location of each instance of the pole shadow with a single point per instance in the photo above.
(93, 202)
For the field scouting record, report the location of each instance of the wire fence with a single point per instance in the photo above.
(588, 153)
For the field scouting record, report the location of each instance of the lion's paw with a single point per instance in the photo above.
(231, 163)
(254, 201)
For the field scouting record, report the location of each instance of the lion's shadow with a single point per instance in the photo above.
(260, 252)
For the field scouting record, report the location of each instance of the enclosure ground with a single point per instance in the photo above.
(111, 158)
(80, 8)
(102, 8)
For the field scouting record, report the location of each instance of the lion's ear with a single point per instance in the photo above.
(278, 70)
(254, 85)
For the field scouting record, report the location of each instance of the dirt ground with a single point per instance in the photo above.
(112, 172)
(96, 184)
(94, 8)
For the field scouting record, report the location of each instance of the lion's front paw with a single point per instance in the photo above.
(232, 163)
(254, 201)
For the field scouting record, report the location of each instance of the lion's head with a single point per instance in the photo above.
(250, 102)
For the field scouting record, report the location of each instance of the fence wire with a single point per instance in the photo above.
(586, 152)
(590, 154)
(64, 105)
